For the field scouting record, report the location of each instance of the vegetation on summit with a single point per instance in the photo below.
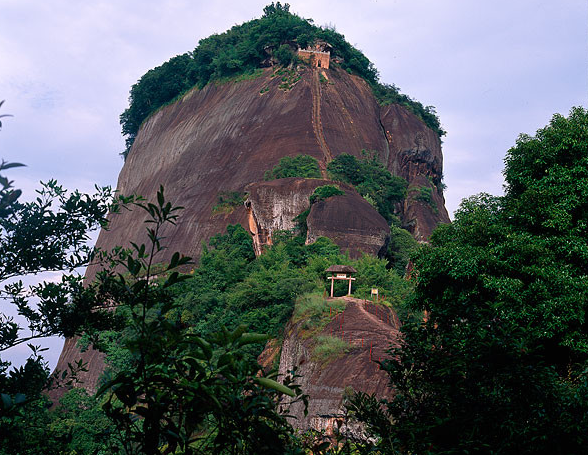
(243, 49)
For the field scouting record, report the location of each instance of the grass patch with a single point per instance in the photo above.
(227, 201)
(425, 194)
(288, 77)
(316, 312)
(329, 348)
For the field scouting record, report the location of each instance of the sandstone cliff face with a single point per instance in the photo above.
(224, 137)
(417, 158)
(349, 220)
(370, 330)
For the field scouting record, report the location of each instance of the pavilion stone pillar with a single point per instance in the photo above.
(340, 273)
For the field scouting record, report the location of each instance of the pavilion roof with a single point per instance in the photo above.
(341, 269)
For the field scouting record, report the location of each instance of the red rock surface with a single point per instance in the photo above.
(349, 220)
(225, 136)
(417, 158)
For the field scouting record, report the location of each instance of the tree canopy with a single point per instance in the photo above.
(295, 166)
(499, 365)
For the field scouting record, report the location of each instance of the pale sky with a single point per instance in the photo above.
(492, 69)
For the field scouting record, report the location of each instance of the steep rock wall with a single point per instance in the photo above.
(225, 136)
(415, 154)
(370, 330)
(272, 206)
(349, 220)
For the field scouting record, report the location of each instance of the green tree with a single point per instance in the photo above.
(284, 54)
(276, 8)
(49, 234)
(499, 365)
(185, 392)
(371, 179)
(155, 88)
(295, 166)
(402, 244)
(243, 49)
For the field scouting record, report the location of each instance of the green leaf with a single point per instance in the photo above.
(225, 359)
(271, 384)
(6, 401)
(249, 338)
(5, 165)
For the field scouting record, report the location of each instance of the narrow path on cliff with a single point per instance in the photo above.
(365, 330)
(316, 122)
(359, 304)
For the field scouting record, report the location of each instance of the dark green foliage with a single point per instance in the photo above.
(500, 364)
(156, 88)
(181, 391)
(231, 286)
(276, 8)
(80, 423)
(284, 55)
(27, 430)
(323, 192)
(390, 94)
(372, 179)
(243, 49)
(425, 194)
(48, 234)
(227, 201)
(374, 272)
(295, 166)
(402, 244)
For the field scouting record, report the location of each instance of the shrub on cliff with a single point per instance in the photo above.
(321, 193)
(370, 178)
(295, 166)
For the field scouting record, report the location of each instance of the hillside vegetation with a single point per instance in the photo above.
(499, 365)
(245, 48)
